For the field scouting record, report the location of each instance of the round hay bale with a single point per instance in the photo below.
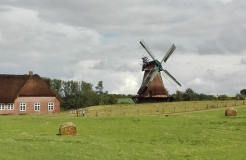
(67, 129)
(230, 112)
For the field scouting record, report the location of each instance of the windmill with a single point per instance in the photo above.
(152, 88)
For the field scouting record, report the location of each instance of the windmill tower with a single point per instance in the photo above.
(152, 88)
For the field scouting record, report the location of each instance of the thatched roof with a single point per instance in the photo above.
(12, 86)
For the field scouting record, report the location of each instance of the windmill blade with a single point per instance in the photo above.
(152, 76)
(142, 89)
(170, 76)
(171, 81)
(147, 49)
(169, 53)
(147, 81)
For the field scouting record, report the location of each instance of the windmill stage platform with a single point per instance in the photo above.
(138, 99)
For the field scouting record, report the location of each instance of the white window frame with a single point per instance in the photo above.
(36, 106)
(10, 106)
(2, 106)
(22, 106)
(51, 106)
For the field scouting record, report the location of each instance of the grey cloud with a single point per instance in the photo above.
(114, 65)
(100, 65)
(8, 65)
(209, 47)
(130, 67)
(243, 61)
(4, 9)
(56, 34)
(233, 39)
(23, 38)
(69, 37)
(162, 46)
(210, 73)
(158, 17)
(180, 49)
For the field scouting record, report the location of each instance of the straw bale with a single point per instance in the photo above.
(67, 129)
(230, 112)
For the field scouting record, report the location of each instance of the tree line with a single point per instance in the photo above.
(191, 95)
(74, 94)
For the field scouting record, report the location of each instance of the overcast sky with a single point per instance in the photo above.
(98, 40)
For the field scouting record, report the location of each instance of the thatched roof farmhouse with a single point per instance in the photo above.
(26, 94)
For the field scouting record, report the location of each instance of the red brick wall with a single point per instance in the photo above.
(30, 105)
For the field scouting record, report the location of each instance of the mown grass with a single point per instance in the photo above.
(201, 135)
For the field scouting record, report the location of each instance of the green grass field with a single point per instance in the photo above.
(125, 101)
(201, 135)
(159, 108)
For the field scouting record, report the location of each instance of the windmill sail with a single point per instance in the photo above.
(171, 77)
(147, 81)
(171, 81)
(142, 89)
(147, 49)
(169, 53)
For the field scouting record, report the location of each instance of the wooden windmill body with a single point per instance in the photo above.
(156, 88)
(152, 88)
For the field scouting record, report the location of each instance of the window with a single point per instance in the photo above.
(10, 106)
(50, 106)
(22, 106)
(36, 106)
(2, 106)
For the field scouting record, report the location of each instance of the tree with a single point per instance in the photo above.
(190, 95)
(57, 86)
(89, 97)
(240, 96)
(243, 92)
(203, 97)
(179, 96)
(71, 88)
(223, 97)
(99, 87)
(86, 87)
(108, 99)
